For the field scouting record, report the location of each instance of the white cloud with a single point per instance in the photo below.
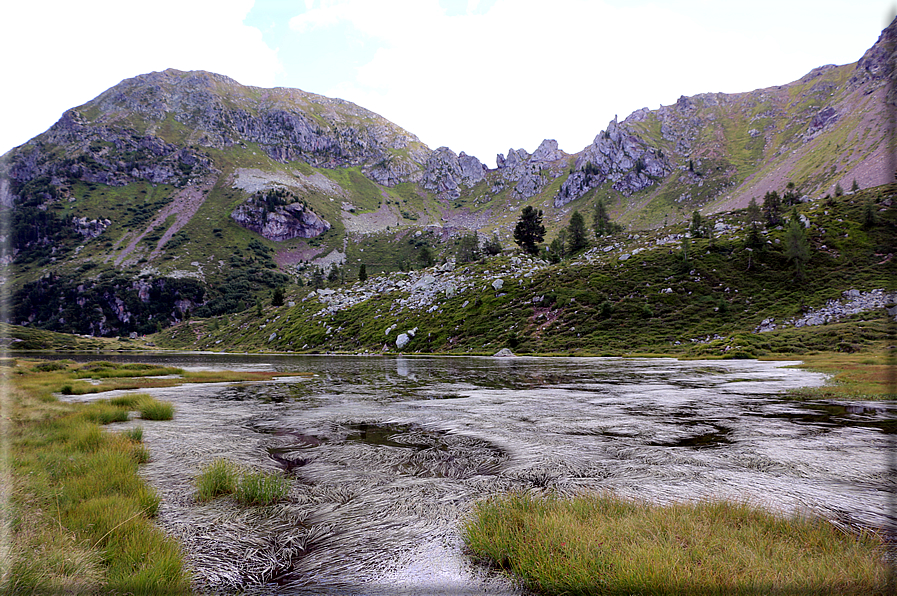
(525, 70)
(61, 54)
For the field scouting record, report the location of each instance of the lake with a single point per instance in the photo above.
(386, 455)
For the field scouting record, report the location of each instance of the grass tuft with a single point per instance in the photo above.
(217, 479)
(135, 435)
(222, 477)
(153, 409)
(600, 544)
(261, 488)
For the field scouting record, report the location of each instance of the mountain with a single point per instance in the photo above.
(185, 193)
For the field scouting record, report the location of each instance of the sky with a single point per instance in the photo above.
(479, 76)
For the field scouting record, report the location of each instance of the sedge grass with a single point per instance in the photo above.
(217, 479)
(599, 544)
(260, 488)
(153, 409)
(249, 487)
(81, 515)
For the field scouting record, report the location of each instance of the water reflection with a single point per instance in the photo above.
(385, 456)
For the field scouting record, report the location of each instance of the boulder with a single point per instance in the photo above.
(402, 340)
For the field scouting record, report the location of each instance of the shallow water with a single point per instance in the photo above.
(386, 455)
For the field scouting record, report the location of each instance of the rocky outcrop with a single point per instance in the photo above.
(97, 155)
(288, 124)
(877, 64)
(619, 155)
(90, 228)
(853, 302)
(281, 222)
(531, 173)
(446, 172)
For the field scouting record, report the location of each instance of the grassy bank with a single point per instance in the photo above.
(598, 544)
(866, 376)
(78, 517)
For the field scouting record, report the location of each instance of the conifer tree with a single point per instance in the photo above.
(797, 249)
(529, 230)
(576, 234)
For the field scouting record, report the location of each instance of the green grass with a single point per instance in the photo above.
(260, 488)
(82, 517)
(217, 479)
(222, 477)
(153, 409)
(600, 544)
(607, 306)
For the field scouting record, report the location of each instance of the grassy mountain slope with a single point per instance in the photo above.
(639, 295)
(123, 214)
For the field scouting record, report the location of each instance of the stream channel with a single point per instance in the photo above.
(386, 455)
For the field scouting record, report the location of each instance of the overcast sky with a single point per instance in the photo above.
(479, 76)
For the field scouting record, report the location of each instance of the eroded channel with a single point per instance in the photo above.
(386, 455)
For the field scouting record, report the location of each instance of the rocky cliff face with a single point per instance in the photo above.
(282, 222)
(529, 174)
(619, 155)
(288, 124)
(74, 150)
(446, 172)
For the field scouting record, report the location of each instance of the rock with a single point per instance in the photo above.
(527, 170)
(504, 353)
(498, 284)
(402, 340)
(617, 154)
(90, 228)
(445, 172)
(284, 222)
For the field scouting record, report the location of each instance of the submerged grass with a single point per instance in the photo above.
(600, 544)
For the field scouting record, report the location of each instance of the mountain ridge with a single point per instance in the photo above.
(191, 176)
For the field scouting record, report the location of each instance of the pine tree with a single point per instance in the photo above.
(772, 206)
(601, 221)
(753, 214)
(797, 249)
(277, 298)
(697, 225)
(529, 230)
(468, 248)
(425, 256)
(576, 234)
(362, 273)
(492, 246)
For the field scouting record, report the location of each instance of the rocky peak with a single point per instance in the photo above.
(531, 173)
(877, 63)
(620, 155)
(288, 124)
(445, 172)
